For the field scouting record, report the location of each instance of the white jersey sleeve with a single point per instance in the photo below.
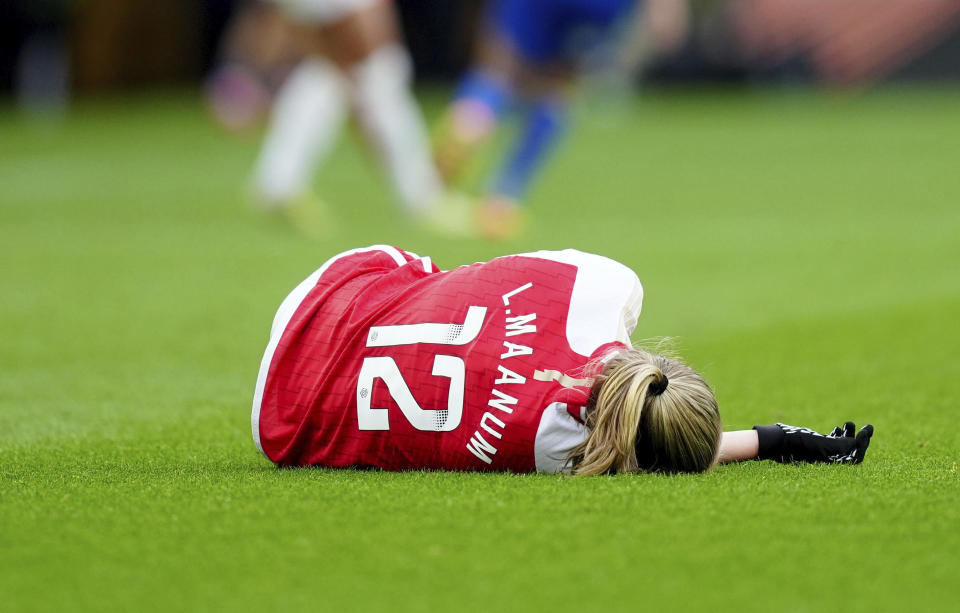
(606, 300)
(557, 435)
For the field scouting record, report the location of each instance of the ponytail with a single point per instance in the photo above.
(648, 413)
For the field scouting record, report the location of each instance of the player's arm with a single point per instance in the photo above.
(739, 445)
(785, 444)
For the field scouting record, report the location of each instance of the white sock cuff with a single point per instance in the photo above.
(318, 71)
(390, 63)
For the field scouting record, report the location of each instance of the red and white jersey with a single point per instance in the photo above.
(379, 359)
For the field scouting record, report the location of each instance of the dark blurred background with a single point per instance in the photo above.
(52, 49)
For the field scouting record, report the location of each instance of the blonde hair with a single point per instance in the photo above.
(649, 412)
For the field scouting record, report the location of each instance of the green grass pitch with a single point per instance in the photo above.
(804, 251)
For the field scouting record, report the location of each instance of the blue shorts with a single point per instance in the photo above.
(543, 31)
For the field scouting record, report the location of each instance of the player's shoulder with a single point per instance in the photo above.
(586, 262)
(598, 277)
(605, 302)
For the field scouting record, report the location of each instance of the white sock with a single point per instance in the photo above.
(306, 117)
(392, 119)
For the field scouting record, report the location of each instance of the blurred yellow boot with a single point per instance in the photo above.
(500, 218)
(463, 132)
(305, 214)
(449, 215)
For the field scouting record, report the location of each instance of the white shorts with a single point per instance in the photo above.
(322, 11)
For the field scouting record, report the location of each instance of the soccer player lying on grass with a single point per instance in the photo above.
(379, 359)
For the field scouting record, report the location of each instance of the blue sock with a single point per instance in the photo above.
(484, 87)
(544, 123)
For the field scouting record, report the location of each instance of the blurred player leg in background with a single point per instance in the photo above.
(356, 61)
(544, 119)
(306, 118)
(531, 55)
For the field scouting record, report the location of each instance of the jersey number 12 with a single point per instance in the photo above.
(385, 368)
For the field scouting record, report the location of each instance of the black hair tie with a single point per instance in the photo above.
(659, 386)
